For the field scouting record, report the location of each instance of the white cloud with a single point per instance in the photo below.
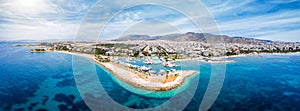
(261, 25)
(128, 17)
(40, 19)
(26, 8)
(288, 36)
(254, 18)
(38, 29)
(43, 19)
(229, 7)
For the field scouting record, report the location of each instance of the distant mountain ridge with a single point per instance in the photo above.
(191, 36)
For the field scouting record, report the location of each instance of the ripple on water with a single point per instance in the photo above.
(289, 93)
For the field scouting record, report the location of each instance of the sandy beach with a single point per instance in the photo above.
(133, 79)
(89, 56)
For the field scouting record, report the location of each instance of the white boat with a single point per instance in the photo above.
(148, 61)
(169, 64)
(144, 68)
(129, 59)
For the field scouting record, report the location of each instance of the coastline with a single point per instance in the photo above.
(89, 56)
(133, 79)
(280, 53)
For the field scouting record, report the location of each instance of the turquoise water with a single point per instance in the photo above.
(45, 81)
(156, 67)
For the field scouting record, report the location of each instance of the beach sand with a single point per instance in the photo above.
(133, 79)
(89, 56)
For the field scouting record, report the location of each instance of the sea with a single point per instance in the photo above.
(53, 81)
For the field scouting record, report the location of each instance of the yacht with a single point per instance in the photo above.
(169, 64)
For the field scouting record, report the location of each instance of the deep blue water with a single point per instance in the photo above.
(36, 81)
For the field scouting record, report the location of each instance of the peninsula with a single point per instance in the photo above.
(140, 78)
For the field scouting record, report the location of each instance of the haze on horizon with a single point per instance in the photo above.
(277, 20)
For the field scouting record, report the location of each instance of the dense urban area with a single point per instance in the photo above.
(171, 49)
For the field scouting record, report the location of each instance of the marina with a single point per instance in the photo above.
(139, 74)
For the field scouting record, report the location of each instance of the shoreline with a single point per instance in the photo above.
(200, 59)
(89, 56)
(133, 79)
(280, 53)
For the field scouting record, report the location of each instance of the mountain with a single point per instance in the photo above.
(191, 36)
(135, 37)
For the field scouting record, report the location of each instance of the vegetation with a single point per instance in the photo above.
(175, 57)
(99, 51)
(146, 53)
(230, 53)
(136, 53)
(160, 54)
(246, 51)
(144, 48)
(161, 48)
(62, 48)
(39, 50)
(100, 59)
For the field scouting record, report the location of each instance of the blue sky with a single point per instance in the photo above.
(60, 19)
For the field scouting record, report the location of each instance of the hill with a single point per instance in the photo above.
(191, 36)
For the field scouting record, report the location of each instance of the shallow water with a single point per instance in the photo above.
(32, 81)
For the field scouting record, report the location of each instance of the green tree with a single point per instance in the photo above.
(99, 51)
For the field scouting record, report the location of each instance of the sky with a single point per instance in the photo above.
(277, 20)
